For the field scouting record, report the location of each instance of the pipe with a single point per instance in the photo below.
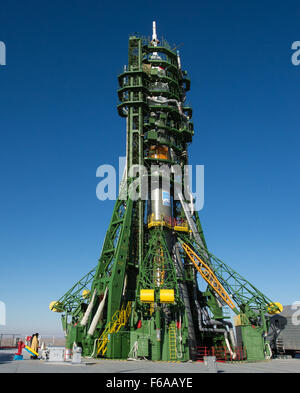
(192, 224)
(125, 285)
(202, 312)
(210, 321)
(98, 314)
(270, 351)
(231, 333)
(88, 311)
(218, 330)
(198, 309)
(164, 100)
(179, 354)
(233, 354)
(184, 296)
(94, 348)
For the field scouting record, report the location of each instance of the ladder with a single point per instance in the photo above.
(118, 320)
(208, 275)
(172, 342)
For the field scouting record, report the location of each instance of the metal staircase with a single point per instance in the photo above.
(119, 319)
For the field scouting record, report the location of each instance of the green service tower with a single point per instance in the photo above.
(143, 299)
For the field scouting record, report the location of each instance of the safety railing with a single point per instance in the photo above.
(119, 319)
(221, 353)
(178, 224)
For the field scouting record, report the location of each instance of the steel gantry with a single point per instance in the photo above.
(143, 297)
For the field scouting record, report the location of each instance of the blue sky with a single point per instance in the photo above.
(58, 123)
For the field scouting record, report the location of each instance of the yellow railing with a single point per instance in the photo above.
(182, 227)
(118, 320)
(169, 222)
(208, 275)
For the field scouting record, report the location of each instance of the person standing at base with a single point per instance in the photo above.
(34, 344)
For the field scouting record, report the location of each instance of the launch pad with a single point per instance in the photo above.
(143, 301)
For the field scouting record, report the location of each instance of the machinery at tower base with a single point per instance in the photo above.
(143, 299)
